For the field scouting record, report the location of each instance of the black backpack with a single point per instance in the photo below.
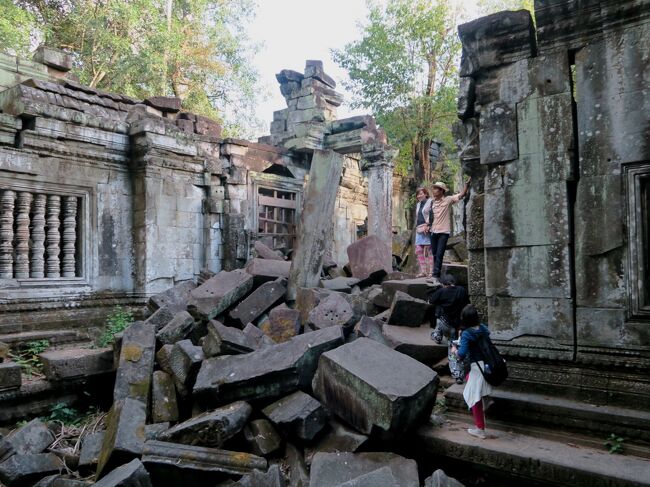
(495, 370)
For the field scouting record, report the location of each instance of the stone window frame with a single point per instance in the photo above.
(637, 183)
(275, 182)
(15, 286)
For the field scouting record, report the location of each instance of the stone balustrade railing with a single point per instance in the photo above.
(38, 235)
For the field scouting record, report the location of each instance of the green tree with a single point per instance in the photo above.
(404, 69)
(487, 7)
(196, 50)
(16, 25)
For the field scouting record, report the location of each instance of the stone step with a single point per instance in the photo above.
(55, 337)
(556, 413)
(533, 460)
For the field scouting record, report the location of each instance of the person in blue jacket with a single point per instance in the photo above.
(476, 387)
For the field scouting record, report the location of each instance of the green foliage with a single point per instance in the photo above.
(404, 69)
(15, 27)
(68, 415)
(27, 356)
(196, 50)
(614, 443)
(487, 7)
(116, 322)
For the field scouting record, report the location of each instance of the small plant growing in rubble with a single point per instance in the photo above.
(614, 443)
(69, 416)
(116, 323)
(27, 356)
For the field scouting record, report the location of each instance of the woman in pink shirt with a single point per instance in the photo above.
(441, 226)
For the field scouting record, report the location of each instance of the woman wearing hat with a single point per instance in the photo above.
(441, 226)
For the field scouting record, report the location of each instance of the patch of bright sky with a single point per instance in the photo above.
(291, 31)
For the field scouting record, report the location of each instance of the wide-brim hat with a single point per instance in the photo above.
(441, 185)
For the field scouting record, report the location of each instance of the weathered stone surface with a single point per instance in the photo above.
(298, 414)
(406, 310)
(338, 437)
(333, 469)
(270, 372)
(178, 328)
(262, 437)
(184, 361)
(124, 437)
(283, 324)
(368, 255)
(257, 336)
(4, 351)
(370, 328)
(315, 221)
(151, 431)
(32, 438)
(133, 378)
(267, 270)
(314, 69)
(440, 479)
(226, 340)
(334, 310)
(212, 428)
(174, 298)
(307, 298)
(265, 252)
(259, 301)
(160, 456)
(132, 474)
(414, 342)
(219, 293)
(162, 358)
(382, 477)
(164, 103)
(27, 469)
(75, 362)
(417, 288)
(271, 478)
(163, 398)
(371, 386)
(10, 376)
(54, 58)
(91, 447)
(340, 284)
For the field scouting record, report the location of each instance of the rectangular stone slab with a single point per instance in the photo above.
(10, 376)
(130, 474)
(27, 469)
(270, 372)
(258, 302)
(370, 386)
(75, 362)
(133, 378)
(218, 293)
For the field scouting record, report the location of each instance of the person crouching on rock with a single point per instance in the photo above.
(476, 388)
(423, 216)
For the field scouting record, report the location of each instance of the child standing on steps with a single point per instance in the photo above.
(477, 387)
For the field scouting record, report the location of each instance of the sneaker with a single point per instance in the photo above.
(477, 433)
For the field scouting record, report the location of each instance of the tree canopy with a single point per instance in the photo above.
(196, 50)
(404, 69)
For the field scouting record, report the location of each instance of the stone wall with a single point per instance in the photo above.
(554, 129)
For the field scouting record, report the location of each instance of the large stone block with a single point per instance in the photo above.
(219, 293)
(268, 270)
(414, 342)
(440, 479)
(164, 406)
(178, 328)
(184, 361)
(91, 448)
(262, 437)
(298, 414)
(406, 310)
(498, 133)
(264, 252)
(124, 437)
(226, 340)
(373, 387)
(334, 310)
(175, 298)
(550, 317)
(132, 474)
(266, 373)
(10, 376)
(75, 362)
(271, 478)
(258, 302)
(283, 324)
(368, 255)
(34, 437)
(212, 428)
(133, 378)
(337, 437)
(335, 469)
(27, 469)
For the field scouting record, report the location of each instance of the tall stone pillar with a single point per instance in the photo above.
(377, 160)
(315, 220)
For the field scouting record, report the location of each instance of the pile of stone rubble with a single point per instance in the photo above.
(226, 384)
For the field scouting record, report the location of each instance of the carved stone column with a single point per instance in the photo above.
(53, 236)
(377, 160)
(7, 234)
(37, 260)
(21, 262)
(69, 236)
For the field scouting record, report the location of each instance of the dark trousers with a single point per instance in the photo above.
(438, 246)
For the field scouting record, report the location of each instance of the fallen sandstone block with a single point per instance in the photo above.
(162, 358)
(334, 310)
(368, 255)
(258, 301)
(283, 324)
(27, 469)
(440, 479)
(267, 270)
(219, 293)
(76, 362)
(34, 437)
(270, 478)
(132, 474)
(415, 342)
(160, 318)
(226, 340)
(266, 373)
(406, 310)
(370, 387)
(174, 298)
(91, 448)
(262, 437)
(10, 376)
(298, 475)
(298, 414)
(335, 469)
(212, 428)
(178, 328)
(257, 336)
(164, 406)
(265, 252)
(134, 370)
(184, 361)
(337, 437)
